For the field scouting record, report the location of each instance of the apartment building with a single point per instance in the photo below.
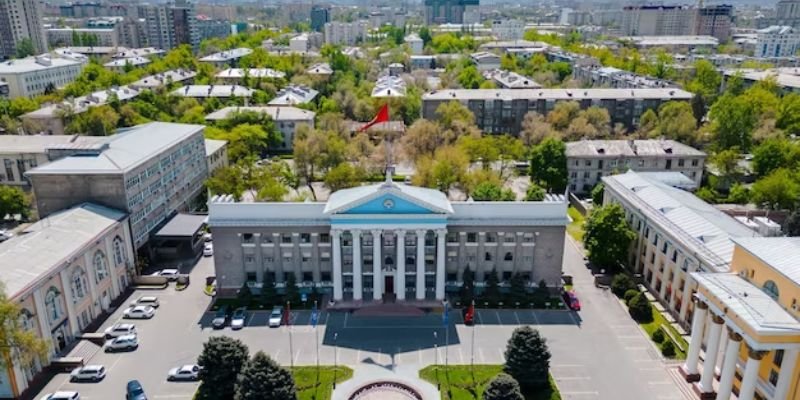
(293, 95)
(450, 11)
(508, 29)
(227, 58)
(716, 21)
(346, 33)
(32, 76)
(76, 262)
(20, 20)
(52, 119)
(150, 171)
(594, 75)
(105, 37)
(588, 161)
(658, 20)
(171, 25)
(510, 80)
(777, 41)
(788, 79)
(320, 15)
(502, 110)
(287, 119)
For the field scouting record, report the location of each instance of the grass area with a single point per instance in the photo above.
(660, 322)
(575, 228)
(309, 387)
(458, 382)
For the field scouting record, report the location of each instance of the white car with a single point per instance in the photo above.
(5, 235)
(190, 372)
(238, 319)
(127, 342)
(93, 373)
(118, 330)
(139, 312)
(151, 301)
(170, 274)
(62, 396)
(208, 250)
(276, 317)
(207, 237)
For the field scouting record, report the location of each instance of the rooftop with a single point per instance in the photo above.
(83, 103)
(158, 80)
(213, 91)
(511, 80)
(682, 215)
(11, 144)
(320, 69)
(389, 86)
(238, 73)
(556, 94)
(38, 63)
(776, 30)
(183, 225)
(141, 52)
(781, 253)
(294, 94)
(785, 77)
(90, 50)
(514, 44)
(630, 148)
(126, 150)
(47, 244)
(122, 62)
(213, 145)
(283, 113)
(228, 55)
(683, 40)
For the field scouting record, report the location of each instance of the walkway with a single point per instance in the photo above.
(366, 373)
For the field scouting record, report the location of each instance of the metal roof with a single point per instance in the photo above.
(213, 145)
(781, 253)
(294, 94)
(38, 63)
(238, 73)
(183, 225)
(615, 148)
(203, 91)
(557, 94)
(347, 198)
(15, 144)
(282, 113)
(227, 55)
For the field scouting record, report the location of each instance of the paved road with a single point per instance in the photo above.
(598, 353)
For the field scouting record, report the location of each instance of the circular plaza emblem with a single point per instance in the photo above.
(388, 204)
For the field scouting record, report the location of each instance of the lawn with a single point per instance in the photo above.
(660, 321)
(311, 388)
(458, 383)
(575, 228)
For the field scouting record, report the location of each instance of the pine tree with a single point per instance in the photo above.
(528, 359)
(222, 359)
(292, 293)
(245, 296)
(263, 379)
(268, 294)
(503, 387)
(517, 293)
(468, 287)
(492, 292)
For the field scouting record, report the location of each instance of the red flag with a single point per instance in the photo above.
(470, 315)
(382, 116)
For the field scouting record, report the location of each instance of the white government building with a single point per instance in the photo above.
(348, 246)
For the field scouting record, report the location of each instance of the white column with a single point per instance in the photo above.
(44, 319)
(787, 372)
(91, 273)
(687, 293)
(377, 278)
(723, 346)
(676, 273)
(337, 264)
(400, 278)
(69, 302)
(698, 326)
(440, 249)
(421, 264)
(729, 365)
(712, 350)
(358, 289)
(750, 374)
(113, 269)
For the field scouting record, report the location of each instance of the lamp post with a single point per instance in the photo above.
(436, 357)
(335, 353)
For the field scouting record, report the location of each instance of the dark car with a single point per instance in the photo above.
(572, 301)
(220, 318)
(135, 391)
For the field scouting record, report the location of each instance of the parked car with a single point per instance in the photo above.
(220, 318)
(126, 342)
(62, 395)
(190, 372)
(151, 301)
(92, 373)
(118, 330)
(276, 317)
(207, 237)
(170, 274)
(5, 235)
(139, 312)
(571, 301)
(238, 318)
(135, 391)
(208, 250)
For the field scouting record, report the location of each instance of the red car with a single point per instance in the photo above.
(572, 301)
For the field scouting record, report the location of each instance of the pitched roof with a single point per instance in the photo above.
(781, 253)
(346, 199)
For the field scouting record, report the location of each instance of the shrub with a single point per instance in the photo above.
(621, 284)
(640, 308)
(667, 349)
(528, 358)
(658, 336)
(629, 294)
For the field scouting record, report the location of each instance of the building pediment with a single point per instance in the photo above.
(388, 198)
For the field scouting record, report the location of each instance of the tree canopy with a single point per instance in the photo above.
(607, 237)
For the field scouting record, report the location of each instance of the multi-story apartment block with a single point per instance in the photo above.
(788, 79)
(508, 29)
(415, 43)
(171, 25)
(228, 57)
(150, 171)
(658, 20)
(593, 75)
(590, 160)
(287, 119)
(92, 9)
(716, 21)
(213, 28)
(4, 90)
(20, 20)
(20, 153)
(787, 12)
(346, 33)
(52, 119)
(676, 234)
(502, 110)
(320, 15)
(449, 11)
(777, 41)
(106, 37)
(75, 263)
(216, 155)
(33, 76)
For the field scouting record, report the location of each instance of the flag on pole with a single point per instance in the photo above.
(469, 317)
(382, 116)
(287, 314)
(314, 315)
(445, 318)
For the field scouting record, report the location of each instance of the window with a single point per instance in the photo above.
(509, 257)
(78, 284)
(326, 277)
(305, 238)
(324, 238)
(472, 237)
(773, 377)
(488, 256)
(777, 359)
(506, 276)
(251, 276)
(53, 304)
(119, 252)
(771, 289)
(308, 277)
(100, 266)
(695, 162)
(286, 238)
(247, 237)
(510, 238)
(680, 162)
(491, 237)
(25, 319)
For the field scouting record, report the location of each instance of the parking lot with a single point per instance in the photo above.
(598, 353)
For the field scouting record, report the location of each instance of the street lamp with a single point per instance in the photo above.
(335, 353)
(436, 357)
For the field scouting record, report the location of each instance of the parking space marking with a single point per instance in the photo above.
(517, 317)
(499, 321)
(572, 378)
(480, 319)
(584, 393)
(535, 319)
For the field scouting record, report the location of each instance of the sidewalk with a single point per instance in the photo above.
(364, 374)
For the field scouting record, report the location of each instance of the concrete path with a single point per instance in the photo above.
(366, 373)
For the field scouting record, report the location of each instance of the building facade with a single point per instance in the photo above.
(20, 20)
(588, 161)
(171, 25)
(77, 261)
(20, 153)
(287, 120)
(508, 29)
(386, 239)
(658, 20)
(716, 21)
(676, 234)
(346, 33)
(749, 324)
(150, 171)
(320, 15)
(216, 154)
(105, 37)
(777, 41)
(449, 11)
(32, 76)
(503, 110)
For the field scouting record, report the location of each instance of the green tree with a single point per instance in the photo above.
(733, 119)
(563, 113)
(676, 121)
(726, 162)
(228, 180)
(269, 296)
(342, 176)
(788, 117)
(470, 78)
(491, 292)
(222, 359)
(489, 191)
(245, 296)
(13, 201)
(517, 292)
(774, 153)
(467, 290)
(621, 283)
(778, 190)
(17, 344)
(292, 292)
(24, 48)
(21, 105)
(597, 194)
(738, 194)
(607, 237)
(534, 193)
(707, 80)
(792, 224)
(453, 112)
(528, 359)
(698, 109)
(640, 308)
(503, 387)
(447, 168)
(263, 379)
(668, 349)
(549, 165)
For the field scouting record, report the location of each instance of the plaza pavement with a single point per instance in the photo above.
(598, 353)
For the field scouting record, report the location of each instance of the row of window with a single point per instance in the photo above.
(389, 240)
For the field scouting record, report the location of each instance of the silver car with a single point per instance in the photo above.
(139, 312)
(91, 373)
(190, 372)
(118, 330)
(276, 317)
(151, 301)
(63, 395)
(127, 342)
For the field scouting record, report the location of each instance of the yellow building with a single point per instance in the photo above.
(748, 321)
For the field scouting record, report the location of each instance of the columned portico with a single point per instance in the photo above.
(440, 236)
(420, 265)
(377, 276)
(693, 356)
(750, 377)
(400, 278)
(729, 365)
(337, 264)
(358, 289)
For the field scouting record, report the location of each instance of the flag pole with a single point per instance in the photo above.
(472, 353)
(316, 334)
(289, 325)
